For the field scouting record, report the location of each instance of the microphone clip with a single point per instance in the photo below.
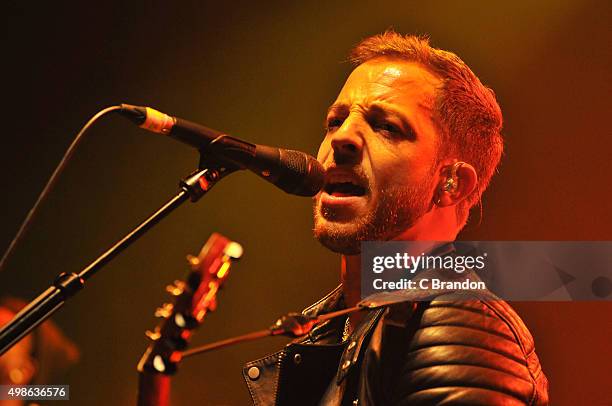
(198, 183)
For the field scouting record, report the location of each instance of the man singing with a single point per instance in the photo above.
(411, 143)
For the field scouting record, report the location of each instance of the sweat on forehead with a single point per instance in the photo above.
(395, 68)
(387, 79)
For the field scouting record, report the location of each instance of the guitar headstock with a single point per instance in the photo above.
(194, 298)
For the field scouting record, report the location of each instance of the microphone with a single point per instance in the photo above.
(294, 172)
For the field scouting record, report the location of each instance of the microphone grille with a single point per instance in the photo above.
(305, 175)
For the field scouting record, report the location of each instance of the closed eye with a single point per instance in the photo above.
(390, 124)
(333, 123)
(387, 127)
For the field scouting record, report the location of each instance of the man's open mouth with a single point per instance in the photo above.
(344, 189)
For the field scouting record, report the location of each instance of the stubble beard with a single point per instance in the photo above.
(397, 210)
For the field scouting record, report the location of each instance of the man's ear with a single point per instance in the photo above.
(458, 182)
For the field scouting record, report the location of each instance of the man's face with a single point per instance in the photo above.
(380, 154)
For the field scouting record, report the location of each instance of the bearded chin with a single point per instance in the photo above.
(342, 238)
(396, 211)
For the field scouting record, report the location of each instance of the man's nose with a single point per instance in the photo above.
(347, 143)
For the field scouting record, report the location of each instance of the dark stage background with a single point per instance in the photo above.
(267, 72)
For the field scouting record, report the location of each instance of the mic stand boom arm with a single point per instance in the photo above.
(67, 284)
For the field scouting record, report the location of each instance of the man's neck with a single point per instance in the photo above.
(430, 227)
(350, 276)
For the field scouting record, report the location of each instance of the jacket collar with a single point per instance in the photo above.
(330, 329)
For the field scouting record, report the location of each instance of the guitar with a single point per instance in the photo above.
(194, 298)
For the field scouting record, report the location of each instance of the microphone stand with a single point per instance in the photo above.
(193, 187)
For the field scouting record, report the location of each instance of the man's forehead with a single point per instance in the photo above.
(388, 77)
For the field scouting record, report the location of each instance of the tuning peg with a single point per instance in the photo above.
(164, 311)
(233, 250)
(180, 321)
(194, 262)
(153, 335)
(176, 288)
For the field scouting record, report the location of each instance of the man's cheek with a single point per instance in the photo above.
(324, 150)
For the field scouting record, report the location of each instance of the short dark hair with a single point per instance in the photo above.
(466, 112)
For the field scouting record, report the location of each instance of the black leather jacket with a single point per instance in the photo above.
(452, 349)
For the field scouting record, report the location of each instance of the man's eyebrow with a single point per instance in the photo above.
(375, 108)
(338, 108)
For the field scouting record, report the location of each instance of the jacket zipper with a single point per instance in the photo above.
(279, 363)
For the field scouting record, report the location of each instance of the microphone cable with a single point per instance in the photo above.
(51, 183)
